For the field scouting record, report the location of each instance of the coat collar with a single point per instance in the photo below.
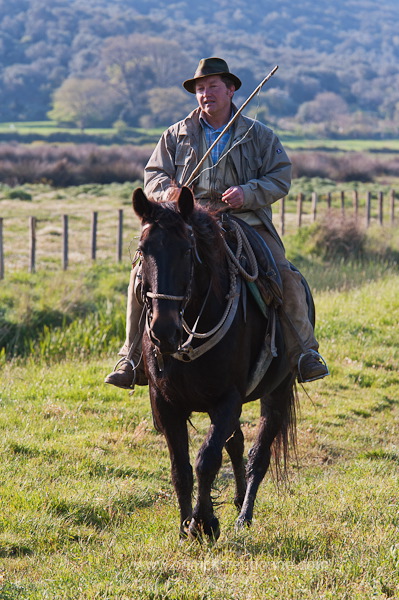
(191, 124)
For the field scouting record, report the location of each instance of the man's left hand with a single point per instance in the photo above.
(234, 197)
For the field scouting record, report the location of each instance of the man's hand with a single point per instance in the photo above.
(234, 197)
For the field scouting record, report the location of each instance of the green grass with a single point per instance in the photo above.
(87, 509)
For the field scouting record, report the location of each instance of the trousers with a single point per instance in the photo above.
(297, 329)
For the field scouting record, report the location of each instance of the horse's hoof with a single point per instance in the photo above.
(197, 531)
(242, 523)
(184, 533)
(194, 531)
(212, 531)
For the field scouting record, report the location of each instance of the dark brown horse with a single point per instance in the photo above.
(185, 281)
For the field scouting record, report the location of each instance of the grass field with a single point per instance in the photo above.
(87, 509)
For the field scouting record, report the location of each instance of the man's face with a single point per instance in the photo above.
(213, 96)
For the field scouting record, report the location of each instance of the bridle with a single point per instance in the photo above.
(184, 299)
(186, 352)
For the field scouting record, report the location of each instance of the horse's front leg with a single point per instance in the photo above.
(174, 427)
(224, 419)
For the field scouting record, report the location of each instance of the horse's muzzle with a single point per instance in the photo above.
(165, 334)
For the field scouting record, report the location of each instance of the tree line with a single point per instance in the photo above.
(122, 63)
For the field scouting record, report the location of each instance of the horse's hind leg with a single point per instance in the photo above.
(271, 422)
(235, 449)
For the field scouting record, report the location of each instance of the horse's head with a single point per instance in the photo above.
(167, 251)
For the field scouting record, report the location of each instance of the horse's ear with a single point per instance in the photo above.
(185, 203)
(141, 204)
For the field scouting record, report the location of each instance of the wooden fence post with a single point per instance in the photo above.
(314, 206)
(64, 242)
(342, 203)
(94, 235)
(368, 208)
(392, 207)
(328, 200)
(380, 207)
(355, 203)
(32, 244)
(119, 236)
(1, 250)
(282, 215)
(299, 209)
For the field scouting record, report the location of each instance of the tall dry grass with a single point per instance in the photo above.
(71, 164)
(75, 164)
(349, 166)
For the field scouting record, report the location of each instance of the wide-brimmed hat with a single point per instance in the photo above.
(210, 66)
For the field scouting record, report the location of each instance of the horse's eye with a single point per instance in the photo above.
(142, 250)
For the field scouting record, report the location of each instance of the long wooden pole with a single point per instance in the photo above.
(229, 124)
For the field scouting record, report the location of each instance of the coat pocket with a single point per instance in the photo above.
(252, 164)
(183, 159)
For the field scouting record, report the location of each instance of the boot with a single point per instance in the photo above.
(126, 374)
(311, 366)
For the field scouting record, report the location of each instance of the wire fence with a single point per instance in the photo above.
(74, 241)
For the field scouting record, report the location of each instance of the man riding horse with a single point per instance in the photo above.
(247, 171)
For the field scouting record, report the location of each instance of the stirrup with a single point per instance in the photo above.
(124, 359)
(319, 356)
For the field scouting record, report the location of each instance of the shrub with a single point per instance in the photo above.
(336, 237)
(18, 194)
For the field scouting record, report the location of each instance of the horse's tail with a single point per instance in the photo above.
(284, 446)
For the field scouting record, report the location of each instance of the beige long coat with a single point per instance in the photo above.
(255, 160)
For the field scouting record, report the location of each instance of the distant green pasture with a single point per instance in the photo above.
(291, 141)
(49, 127)
(344, 145)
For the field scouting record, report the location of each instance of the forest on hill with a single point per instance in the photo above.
(122, 61)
